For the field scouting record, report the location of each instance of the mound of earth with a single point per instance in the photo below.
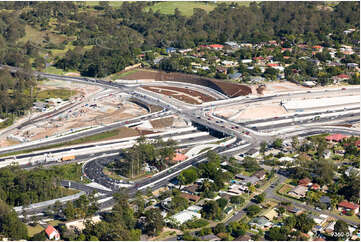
(228, 88)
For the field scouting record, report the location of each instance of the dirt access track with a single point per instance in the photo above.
(181, 94)
(231, 89)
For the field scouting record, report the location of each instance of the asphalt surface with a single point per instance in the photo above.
(78, 135)
(228, 128)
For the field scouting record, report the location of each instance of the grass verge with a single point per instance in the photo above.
(62, 93)
(88, 139)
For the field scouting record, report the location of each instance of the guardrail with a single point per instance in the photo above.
(48, 203)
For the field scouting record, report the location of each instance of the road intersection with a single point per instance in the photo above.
(242, 132)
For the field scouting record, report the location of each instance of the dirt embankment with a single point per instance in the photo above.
(228, 88)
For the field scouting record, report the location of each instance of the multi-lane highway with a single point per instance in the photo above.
(197, 114)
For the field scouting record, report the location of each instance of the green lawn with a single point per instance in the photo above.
(69, 172)
(92, 138)
(120, 75)
(111, 174)
(111, 3)
(186, 8)
(34, 230)
(53, 70)
(55, 93)
(37, 37)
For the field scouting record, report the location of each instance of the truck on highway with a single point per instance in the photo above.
(67, 158)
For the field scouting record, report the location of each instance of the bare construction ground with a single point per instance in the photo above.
(275, 87)
(95, 107)
(238, 113)
(181, 94)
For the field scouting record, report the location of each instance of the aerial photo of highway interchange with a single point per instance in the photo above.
(153, 154)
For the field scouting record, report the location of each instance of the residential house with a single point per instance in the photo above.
(309, 83)
(166, 202)
(194, 208)
(237, 189)
(192, 189)
(246, 61)
(200, 181)
(170, 50)
(298, 192)
(261, 174)
(52, 233)
(305, 182)
(245, 237)
(348, 207)
(317, 48)
(326, 200)
(227, 63)
(286, 159)
(260, 222)
(336, 137)
(271, 214)
(352, 65)
(297, 211)
(259, 59)
(246, 45)
(327, 154)
(190, 197)
(256, 79)
(184, 51)
(215, 46)
(185, 216)
(340, 78)
(210, 237)
(79, 224)
(349, 31)
(235, 76)
(232, 44)
(247, 179)
(179, 157)
(352, 170)
(221, 69)
(315, 187)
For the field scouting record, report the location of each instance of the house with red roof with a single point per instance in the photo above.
(348, 207)
(52, 233)
(286, 49)
(302, 46)
(179, 157)
(318, 48)
(305, 182)
(341, 77)
(315, 187)
(272, 42)
(335, 137)
(216, 46)
(272, 64)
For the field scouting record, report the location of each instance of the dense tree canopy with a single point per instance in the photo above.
(117, 35)
(10, 225)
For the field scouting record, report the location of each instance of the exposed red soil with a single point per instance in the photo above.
(186, 98)
(202, 96)
(228, 88)
(175, 95)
